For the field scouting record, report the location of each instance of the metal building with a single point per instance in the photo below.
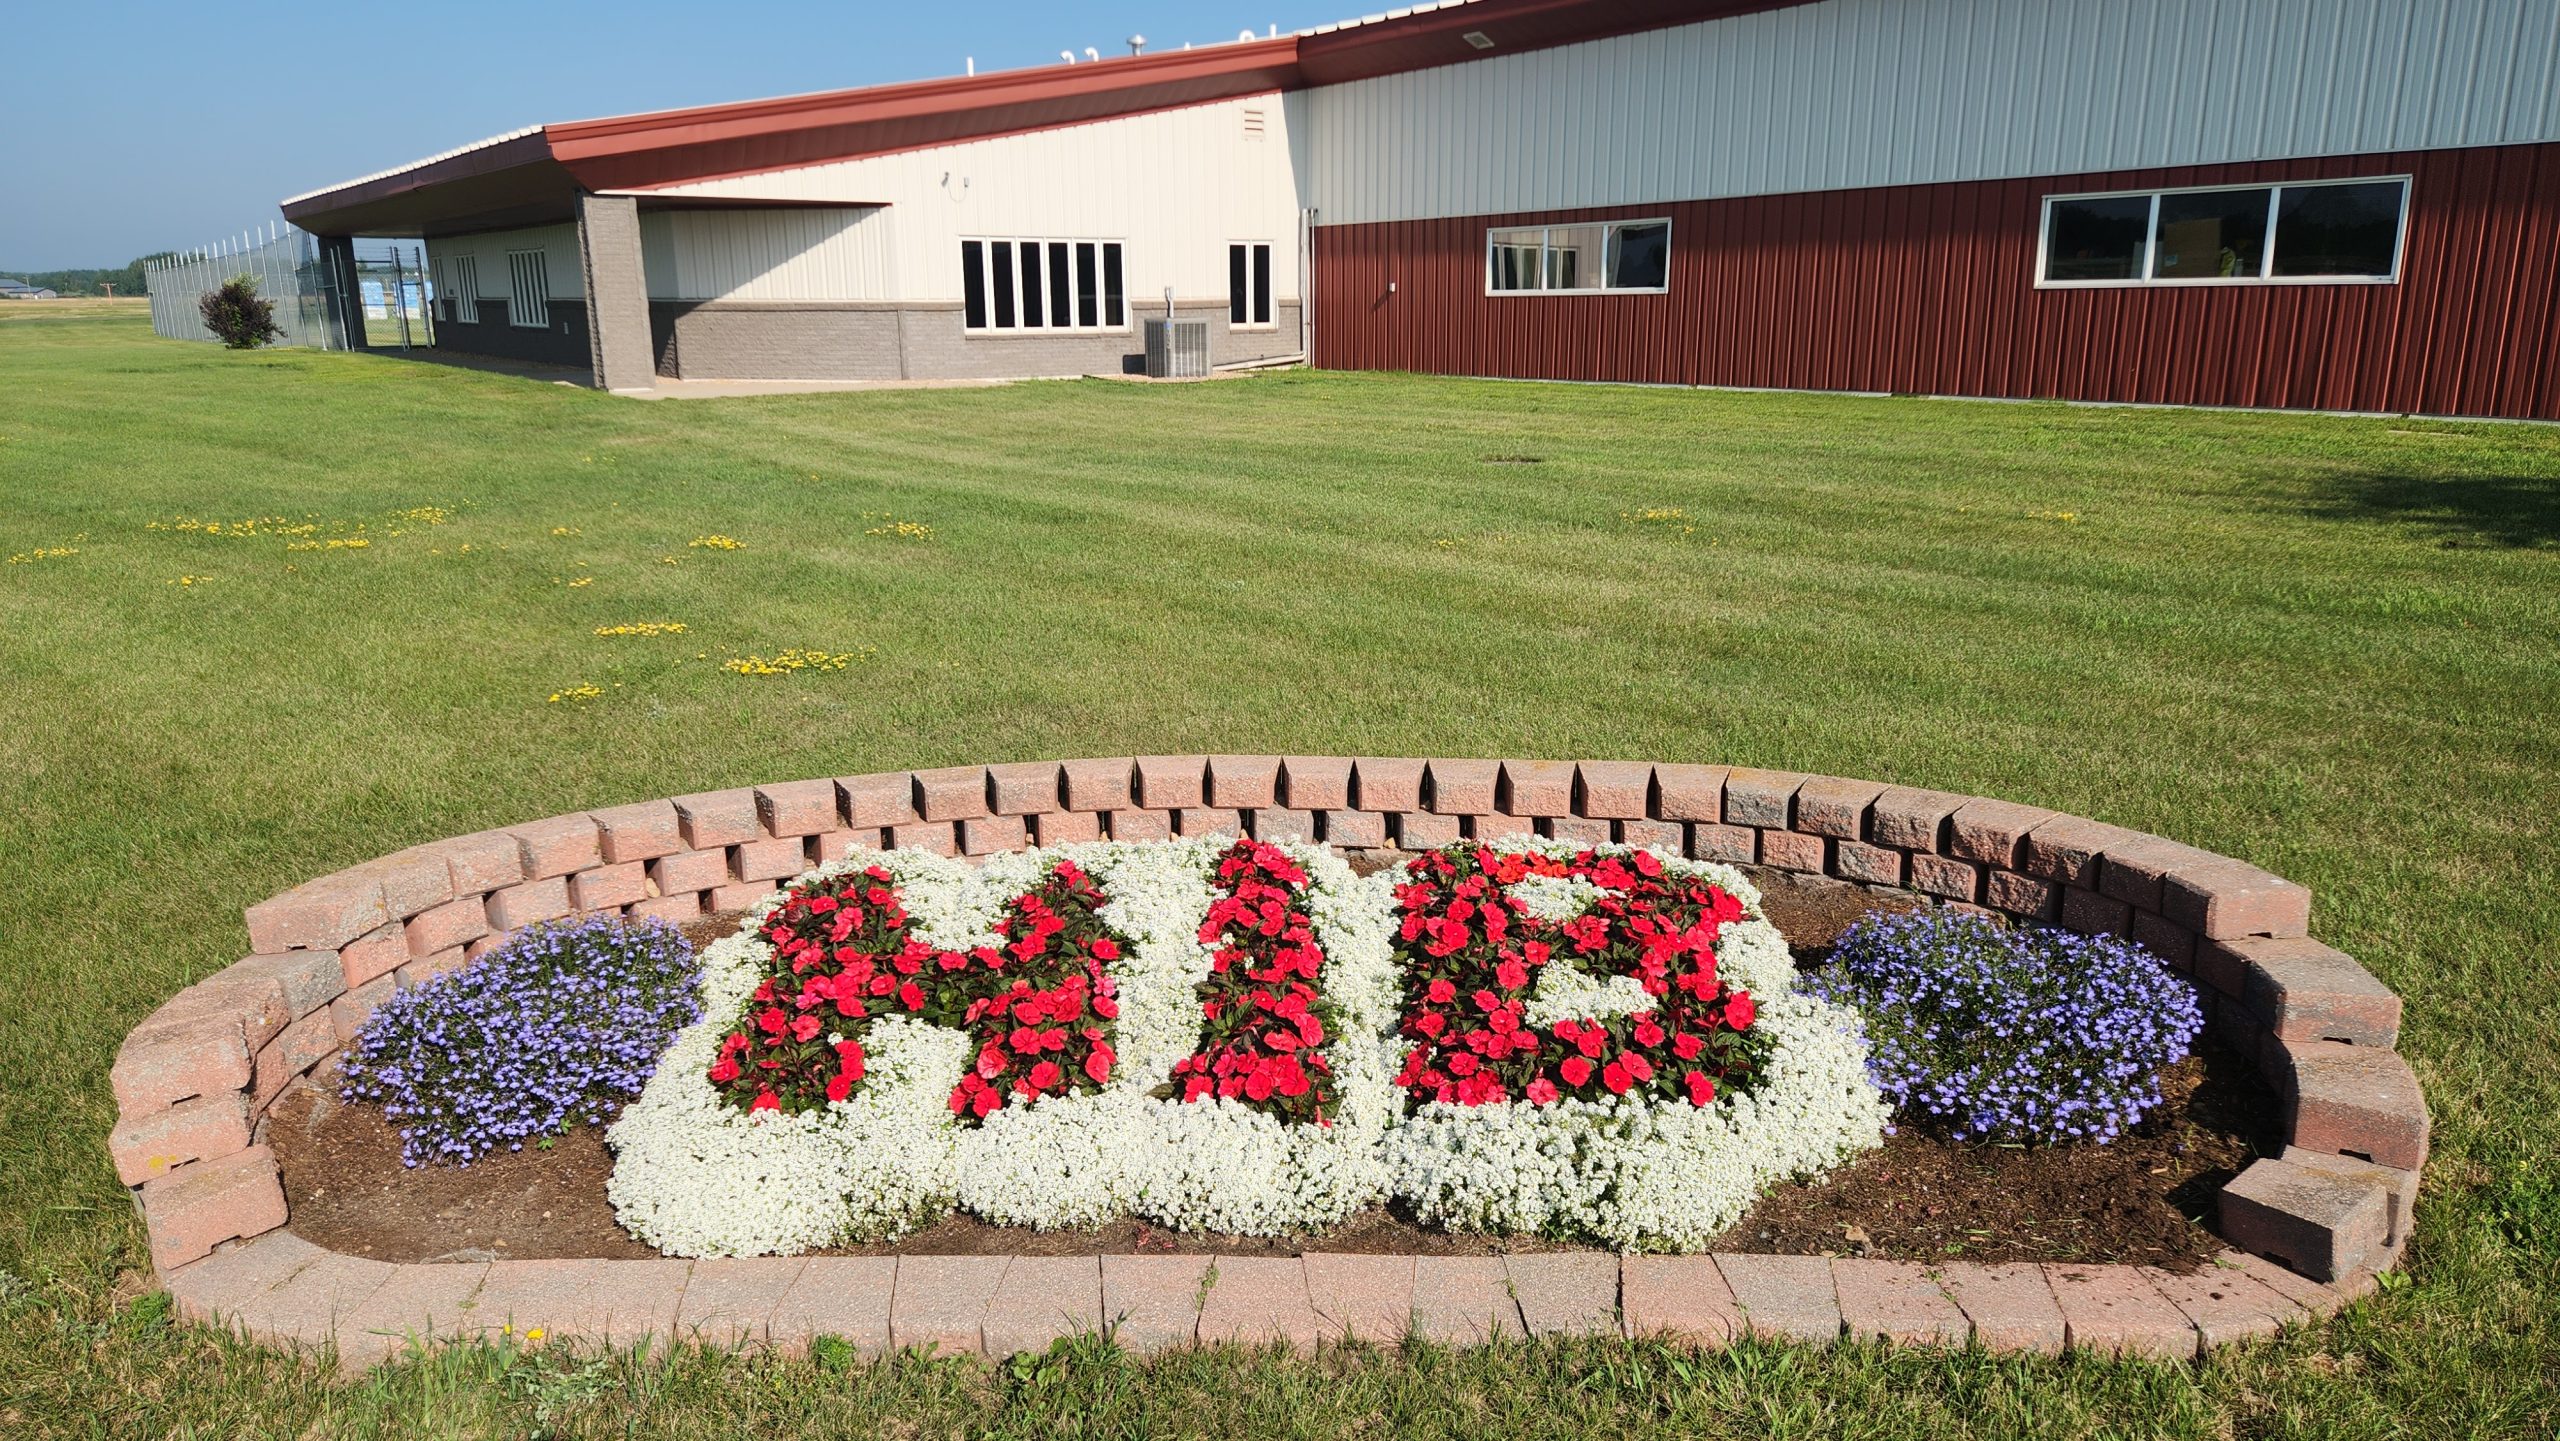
(2353, 204)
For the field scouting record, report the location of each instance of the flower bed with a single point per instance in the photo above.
(1600, 1042)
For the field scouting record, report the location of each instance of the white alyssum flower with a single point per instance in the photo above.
(695, 1176)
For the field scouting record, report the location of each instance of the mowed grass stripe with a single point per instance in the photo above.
(2322, 643)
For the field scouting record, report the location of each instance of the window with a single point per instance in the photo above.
(1249, 284)
(1593, 257)
(458, 286)
(1042, 285)
(2328, 230)
(528, 289)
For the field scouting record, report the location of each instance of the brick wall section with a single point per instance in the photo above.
(193, 1082)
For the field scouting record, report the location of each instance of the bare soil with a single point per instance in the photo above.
(1919, 1198)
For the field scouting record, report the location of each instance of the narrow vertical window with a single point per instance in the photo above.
(1088, 287)
(1115, 300)
(1262, 285)
(1031, 286)
(1002, 255)
(1062, 307)
(1239, 296)
(973, 284)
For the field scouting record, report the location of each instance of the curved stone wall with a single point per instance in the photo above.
(195, 1081)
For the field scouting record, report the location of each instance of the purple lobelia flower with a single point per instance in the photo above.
(558, 1026)
(1990, 1033)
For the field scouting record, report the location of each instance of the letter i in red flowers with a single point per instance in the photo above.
(1264, 1019)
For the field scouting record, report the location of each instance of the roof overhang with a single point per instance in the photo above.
(535, 176)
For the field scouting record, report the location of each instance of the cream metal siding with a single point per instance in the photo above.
(768, 254)
(1175, 186)
(558, 244)
(1854, 93)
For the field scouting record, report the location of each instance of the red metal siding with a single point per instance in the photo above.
(1931, 289)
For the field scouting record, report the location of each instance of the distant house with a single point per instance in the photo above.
(20, 290)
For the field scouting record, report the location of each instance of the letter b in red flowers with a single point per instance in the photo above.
(1474, 958)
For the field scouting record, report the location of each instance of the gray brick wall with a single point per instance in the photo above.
(857, 340)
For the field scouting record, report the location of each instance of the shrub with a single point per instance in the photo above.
(238, 316)
(1990, 1033)
(560, 1025)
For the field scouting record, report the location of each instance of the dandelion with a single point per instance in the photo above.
(643, 627)
(576, 694)
(55, 552)
(332, 543)
(190, 579)
(2066, 517)
(582, 582)
(715, 542)
(797, 659)
(896, 529)
(566, 530)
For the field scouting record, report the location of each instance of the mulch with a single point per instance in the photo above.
(2144, 1198)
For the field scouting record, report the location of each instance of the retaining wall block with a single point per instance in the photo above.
(2319, 1223)
(1243, 783)
(987, 835)
(204, 1128)
(2306, 991)
(2354, 1101)
(1282, 823)
(711, 819)
(2219, 899)
(1613, 790)
(884, 799)
(1669, 836)
(1793, 850)
(1992, 832)
(1387, 783)
(1171, 783)
(320, 915)
(798, 808)
(556, 846)
(481, 862)
(1353, 830)
(198, 1207)
(950, 793)
(1535, 788)
(1058, 828)
(1099, 785)
(1459, 787)
(2399, 1187)
(376, 952)
(2067, 849)
(1689, 793)
(1764, 799)
(1024, 788)
(1834, 806)
(1315, 783)
(411, 880)
(641, 832)
(529, 904)
(1911, 819)
(612, 887)
(1141, 825)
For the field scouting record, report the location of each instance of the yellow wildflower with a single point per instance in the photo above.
(643, 627)
(715, 542)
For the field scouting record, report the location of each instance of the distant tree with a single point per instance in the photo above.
(238, 316)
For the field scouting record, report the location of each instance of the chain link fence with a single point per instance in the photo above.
(392, 290)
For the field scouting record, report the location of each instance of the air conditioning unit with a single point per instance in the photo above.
(1177, 349)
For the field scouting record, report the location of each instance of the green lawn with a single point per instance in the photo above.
(2325, 645)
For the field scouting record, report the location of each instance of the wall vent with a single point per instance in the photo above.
(1254, 122)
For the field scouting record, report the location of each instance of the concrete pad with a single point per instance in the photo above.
(1367, 1297)
(846, 1297)
(1565, 1293)
(1258, 1300)
(1152, 1302)
(1464, 1301)
(1041, 1299)
(941, 1302)
(1678, 1298)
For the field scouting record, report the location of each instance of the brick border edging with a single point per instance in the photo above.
(194, 1082)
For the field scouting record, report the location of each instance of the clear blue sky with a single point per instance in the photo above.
(129, 128)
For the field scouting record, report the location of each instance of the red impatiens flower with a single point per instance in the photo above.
(1472, 953)
(1263, 1006)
